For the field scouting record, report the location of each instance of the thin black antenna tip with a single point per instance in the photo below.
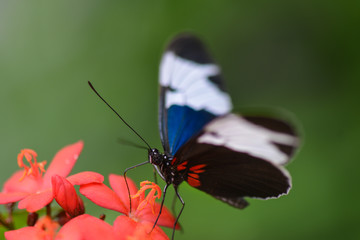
(92, 87)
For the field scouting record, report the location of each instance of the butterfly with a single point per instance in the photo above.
(224, 154)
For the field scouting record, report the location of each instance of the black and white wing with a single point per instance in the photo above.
(191, 92)
(235, 157)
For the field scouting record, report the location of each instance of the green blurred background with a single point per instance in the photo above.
(303, 56)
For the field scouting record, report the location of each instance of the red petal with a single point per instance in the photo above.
(28, 184)
(166, 218)
(85, 178)
(86, 227)
(12, 197)
(66, 196)
(118, 184)
(144, 228)
(126, 228)
(26, 233)
(103, 196)
(63, 162)
(36, 201)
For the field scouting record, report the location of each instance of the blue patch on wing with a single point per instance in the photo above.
(184, 122)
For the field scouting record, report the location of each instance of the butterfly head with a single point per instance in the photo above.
(156, 157)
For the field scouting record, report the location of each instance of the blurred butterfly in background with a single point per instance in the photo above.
(226, 155)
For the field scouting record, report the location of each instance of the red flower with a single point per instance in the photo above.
(32, 187)
(66, 196)
(79, 228)
(44, 229)
(86, 227)
(128, 229)
(144, 210)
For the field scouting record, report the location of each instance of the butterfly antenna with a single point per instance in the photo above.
(131, 144)
(118, 115)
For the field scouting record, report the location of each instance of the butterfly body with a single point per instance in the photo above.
(162, 164)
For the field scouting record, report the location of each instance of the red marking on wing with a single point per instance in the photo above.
(197, 168)
(193, 180)
(182, 166)
(193, 175)
(173, 161)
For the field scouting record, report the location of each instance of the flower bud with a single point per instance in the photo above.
(66, 196)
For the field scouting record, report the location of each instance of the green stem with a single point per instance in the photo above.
(48, 210)
(6, 223)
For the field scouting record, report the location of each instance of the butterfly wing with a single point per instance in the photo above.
(235, 157)
(191, 92)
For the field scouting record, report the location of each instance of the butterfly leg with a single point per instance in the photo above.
(174, 211)
(182, 208)
(155, 176)
(161, 206)
(127, 185)
(173, 205)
